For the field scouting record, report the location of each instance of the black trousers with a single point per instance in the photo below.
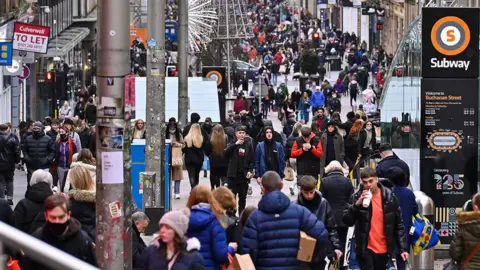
(6, 182)
(216, 181)
(239, 186)
(353, 97)
(372, 261)
(194, 174)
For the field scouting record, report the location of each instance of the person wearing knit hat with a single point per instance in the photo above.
(69, 124)
(269, 156)
(170, 250)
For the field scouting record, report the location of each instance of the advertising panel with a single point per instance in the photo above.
(449, 147)
(219, 74)
(6, 54)
(450, 39)
(31, 38)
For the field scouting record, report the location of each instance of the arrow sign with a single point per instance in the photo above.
(380, 12)
(110, 81)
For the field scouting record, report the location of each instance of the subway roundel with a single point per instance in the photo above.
(450, 36)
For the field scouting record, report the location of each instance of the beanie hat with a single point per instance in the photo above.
(38, 124)
(68, 121)
(177, 220)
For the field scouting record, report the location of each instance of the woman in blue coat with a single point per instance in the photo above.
(206, 227)
(170, 250)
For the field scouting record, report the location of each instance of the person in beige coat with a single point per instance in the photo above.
(175, 136)
(86, 160)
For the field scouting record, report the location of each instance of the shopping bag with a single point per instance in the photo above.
(13, 264)
(177, 156)
(424, 234)
(334, 265)
(241, 262)
(282, 69)
(289, 174)
(206, 164)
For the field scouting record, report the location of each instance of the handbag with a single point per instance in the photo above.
(453, 265)
(334, 265)
(289, 174)
(177, 156)
(282, 69)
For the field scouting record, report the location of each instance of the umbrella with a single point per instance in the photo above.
(286, 22)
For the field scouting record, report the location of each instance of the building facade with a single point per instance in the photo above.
(399, 14)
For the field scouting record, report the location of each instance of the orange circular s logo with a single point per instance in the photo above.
(215, 75)
(450, 35)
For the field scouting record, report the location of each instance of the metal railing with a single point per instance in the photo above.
(38, 250)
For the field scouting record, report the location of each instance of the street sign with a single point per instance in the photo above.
(380, 12)
(6, 53)
(31, 38)
(15, 69)
(26, 73)
(110, 81)
(151, 43)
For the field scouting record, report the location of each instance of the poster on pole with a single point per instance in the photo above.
(449, 147)
(31, 38)
(129, 97)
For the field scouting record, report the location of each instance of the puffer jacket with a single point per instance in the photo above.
(272, 233)
(289, 145)
(205, 226)
(361, 218)
(38, 152)
(29, 207)
(337, 189)
(9, 152)
(83, 209)
(466, 238)
(322, 209)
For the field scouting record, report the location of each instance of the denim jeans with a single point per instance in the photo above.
(305, 116)
(176, 186)
(274, 78)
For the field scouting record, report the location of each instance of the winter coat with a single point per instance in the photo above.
(65, 112)
(239, 105)
(393, 161)
(74, 242)
(218, 162)
(288, 146)
(339, 87)
(194, 156)
(466, 238)
(339, 149)
(362, 137)
(234, 234)
(38, 152)
(409, 207)
(288, 127)
(84, 135)
(91, 114)
(29, 207)
(361, 218)
(308, 162)
(177, 171)
(92, 169)
(205, 226)
(337, 189)
(272, 233)
(138, 245)
(318, 99)
(188, 259)
(304, 105)
(260, 163)
(83, 209)
(9, 152)
(232, 153)
(71, 149)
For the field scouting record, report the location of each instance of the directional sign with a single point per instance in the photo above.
(151, 43)
(15, 69)
(110, 81)
(26, 73)
(6, 53)
(380, 12)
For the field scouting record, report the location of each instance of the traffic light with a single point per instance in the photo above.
(50, 76)
(316, 39)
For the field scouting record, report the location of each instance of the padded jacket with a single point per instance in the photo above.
(205, 226)
(38, 152)
(9, 152)
(465, 239)
(361, 218)
(272, 233)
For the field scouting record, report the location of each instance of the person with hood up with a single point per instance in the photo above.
(313, 200)
(205, 225)
(467, 237)
(241, 158)
(86, 160)
(28, 208)
(317, 100)
(38, 151)
(91, 112)
(272, 233)
(336, 188)
(332, 145)
(369, 94)
(269, 156)
(339, 87)
(295, 96)
(194, 119)
(171, 249)
(63, 232)
(308, 151)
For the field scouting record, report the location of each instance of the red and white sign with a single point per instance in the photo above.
(31, 38)
(26, 73)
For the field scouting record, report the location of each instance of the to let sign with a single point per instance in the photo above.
(31, 38)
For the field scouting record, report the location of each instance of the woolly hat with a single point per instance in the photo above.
(68, 121)
(38, 124)
(177, 220)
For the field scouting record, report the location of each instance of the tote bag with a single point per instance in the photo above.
(177, 156)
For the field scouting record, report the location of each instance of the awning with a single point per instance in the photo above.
(66, 41)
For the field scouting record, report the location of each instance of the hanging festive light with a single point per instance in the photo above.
(202, 17)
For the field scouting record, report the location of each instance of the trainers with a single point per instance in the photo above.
(204, 174)
(250, 191)
(177, 196)
(291, 191)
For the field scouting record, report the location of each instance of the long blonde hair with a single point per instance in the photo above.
(194, 136)
(81, 179)
(218, 140)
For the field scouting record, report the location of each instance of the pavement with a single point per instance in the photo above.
(20, 182)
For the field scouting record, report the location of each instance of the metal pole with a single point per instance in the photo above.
(183, 63)
(259, 93)
(155, 144)
(227, 28)
(114, 191)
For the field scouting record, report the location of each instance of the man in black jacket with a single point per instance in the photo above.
(9, 156)
(241, 162)
(390, 160)
(312, 199)
(379, 227)
(38, 150)
(140, 223)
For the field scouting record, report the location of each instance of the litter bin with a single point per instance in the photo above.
(316, 79)
(303, 81)
(425, 260)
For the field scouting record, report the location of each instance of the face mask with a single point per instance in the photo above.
(334, 96)
(37, 132)
(57, 228)
(368, 128)
(171, 131)
(63, 137)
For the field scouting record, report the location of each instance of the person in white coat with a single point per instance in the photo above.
(84, 159)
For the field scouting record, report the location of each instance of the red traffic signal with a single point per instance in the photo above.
(49, 76)
(316, 36)
(379, 26)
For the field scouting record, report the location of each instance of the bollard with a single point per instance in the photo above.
(147, 180)
(152, 212)
(426, 259)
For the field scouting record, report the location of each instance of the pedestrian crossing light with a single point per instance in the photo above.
(316, 36)
(49, 76)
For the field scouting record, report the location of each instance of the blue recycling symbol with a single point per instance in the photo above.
(151, 43)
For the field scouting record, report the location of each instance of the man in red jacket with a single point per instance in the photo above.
(307, 149)
(239, 104)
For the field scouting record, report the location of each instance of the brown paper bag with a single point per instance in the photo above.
(306, 247)
(335, 265)
(177, 156)
(241, 262)
(289, 174)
